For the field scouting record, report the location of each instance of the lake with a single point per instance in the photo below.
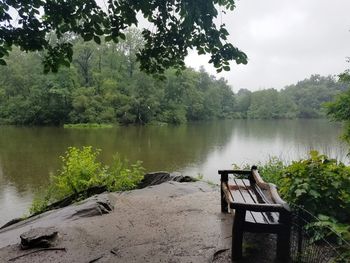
(29, 154)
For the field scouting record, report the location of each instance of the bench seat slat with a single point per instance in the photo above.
(259, 218)
(256, 198)
(243, 195)
(272, 217)
(247, 195)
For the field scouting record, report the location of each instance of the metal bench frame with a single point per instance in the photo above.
(264, 199)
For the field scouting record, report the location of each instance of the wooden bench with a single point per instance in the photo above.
(257, 208)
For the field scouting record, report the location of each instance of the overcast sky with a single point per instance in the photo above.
(286, 41)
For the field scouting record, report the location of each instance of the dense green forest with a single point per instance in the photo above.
(104, 85)
(302, 100)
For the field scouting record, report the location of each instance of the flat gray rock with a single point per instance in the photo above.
(156, 178)
(170, 222)
(94, 206)
(38, 237)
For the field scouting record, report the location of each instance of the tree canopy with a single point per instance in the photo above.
(175, 27)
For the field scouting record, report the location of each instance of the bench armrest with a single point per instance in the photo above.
(258, 207)
(271, 188)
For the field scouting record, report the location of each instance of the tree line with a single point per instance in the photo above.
(104, 85)
(305, 99)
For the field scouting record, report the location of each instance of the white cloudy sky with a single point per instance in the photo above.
(285, 41)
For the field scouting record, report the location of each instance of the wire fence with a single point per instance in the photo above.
(310, 244)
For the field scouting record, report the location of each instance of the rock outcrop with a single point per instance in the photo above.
(91, 207)
(38, 237)
(168, 222)
(162, 177)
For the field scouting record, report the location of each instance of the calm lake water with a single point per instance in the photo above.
(29, 155)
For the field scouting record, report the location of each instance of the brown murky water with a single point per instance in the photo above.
(29, 154)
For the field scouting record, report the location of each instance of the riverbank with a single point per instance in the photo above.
(169, 222)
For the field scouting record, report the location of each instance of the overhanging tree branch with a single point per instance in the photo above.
(179, 25)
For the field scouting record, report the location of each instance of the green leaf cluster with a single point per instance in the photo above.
(178, 25)
(81, 170)
(321, 186)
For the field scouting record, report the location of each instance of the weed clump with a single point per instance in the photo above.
(81, 170)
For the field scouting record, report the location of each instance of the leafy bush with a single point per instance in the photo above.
(272, 170)
(81, 170)
(321, 186)
(121, 177)
(325, 223)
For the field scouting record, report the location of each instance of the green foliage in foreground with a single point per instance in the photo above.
(181, 25)
(81, 170)
(319, 184)
(87, 126)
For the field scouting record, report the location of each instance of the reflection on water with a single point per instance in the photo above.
(29, 155)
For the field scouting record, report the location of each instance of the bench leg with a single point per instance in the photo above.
(237, 234)
(283, 237)
(224, 204)
(283, 245)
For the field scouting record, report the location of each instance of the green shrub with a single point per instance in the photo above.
(272, 170)
(121, 177)
(81, 170)
(321, 185)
